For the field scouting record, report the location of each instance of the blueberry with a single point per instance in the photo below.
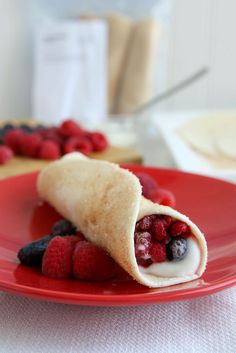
(2, 134)
(29, 129)
(4, 129)
(26, 128)
(63, 227)
(177, 249)
(32, 253)
(8, 126)
(39, 127)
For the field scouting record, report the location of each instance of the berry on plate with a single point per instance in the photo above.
(164, 197)
(92, 263)
(57, 259)
(149, 185)
(32, 253)
(63, 227)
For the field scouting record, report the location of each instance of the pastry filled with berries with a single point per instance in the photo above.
(155, 244)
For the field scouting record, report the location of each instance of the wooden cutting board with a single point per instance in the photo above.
(20, 165)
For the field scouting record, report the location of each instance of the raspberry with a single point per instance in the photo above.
(80, 236)
(13, 139)
(98, 140)
(179, 228)
(149, 185)
(159, 231)
(30, 143)
(78, 144)
(70, 128)
(144, 224)
(144, 262)
(142, 237)
(5, 154)
(158, 252)
(57, 259)
(142, 245)
(164, 197)
(167, 221)
(52, 134)
(49, 150)
(92, 263)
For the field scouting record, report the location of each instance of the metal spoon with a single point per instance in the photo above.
(173, 90)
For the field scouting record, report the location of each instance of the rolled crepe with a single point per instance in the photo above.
(120, 28)
(104, 201)
(137, 81)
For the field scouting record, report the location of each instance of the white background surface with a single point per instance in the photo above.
(202, 34)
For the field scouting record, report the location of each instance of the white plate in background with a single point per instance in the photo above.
(184, 156)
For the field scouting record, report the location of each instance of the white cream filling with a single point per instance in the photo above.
(187, 266)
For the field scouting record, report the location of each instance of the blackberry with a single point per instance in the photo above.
(64, 227)
(32, 253)
(177, 248)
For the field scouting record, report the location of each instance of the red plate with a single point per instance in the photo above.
(208, 202)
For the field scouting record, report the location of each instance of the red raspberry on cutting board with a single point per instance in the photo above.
(30, 144)
(92, 263)
(77, 144)
(13, 138)
(5, 154)
(70, 128)
(98, 141)
(49, 150)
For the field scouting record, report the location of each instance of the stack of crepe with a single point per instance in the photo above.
(212, 136)
(132, 52)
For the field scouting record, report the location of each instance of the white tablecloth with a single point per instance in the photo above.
(204, 325)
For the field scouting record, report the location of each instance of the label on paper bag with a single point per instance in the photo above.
(70, 77)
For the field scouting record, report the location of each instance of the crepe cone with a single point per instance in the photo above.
(104, 201)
